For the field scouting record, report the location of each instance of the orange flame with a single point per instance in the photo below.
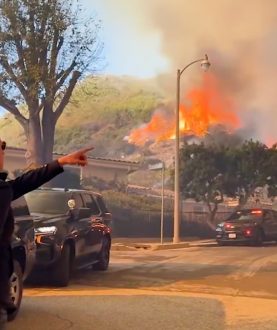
(207, 106)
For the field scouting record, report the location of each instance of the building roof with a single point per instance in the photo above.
(123, 162)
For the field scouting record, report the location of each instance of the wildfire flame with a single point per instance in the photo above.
(206, 106)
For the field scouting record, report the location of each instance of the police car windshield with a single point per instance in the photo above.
(47, 202)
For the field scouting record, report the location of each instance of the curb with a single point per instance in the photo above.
(158, 246)
(170, 246)
(122, 247)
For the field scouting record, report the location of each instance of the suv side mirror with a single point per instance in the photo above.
(71, 204)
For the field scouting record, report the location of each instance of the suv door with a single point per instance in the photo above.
(81, 231)
(96, 223)
(105, 214)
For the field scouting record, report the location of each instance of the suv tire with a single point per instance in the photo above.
(104, 256)
(16, 281)
(61, 273)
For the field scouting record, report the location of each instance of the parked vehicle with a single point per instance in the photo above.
(23, 250)
(72, 230)
(253, 226)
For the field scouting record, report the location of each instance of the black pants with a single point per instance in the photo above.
(5, 273)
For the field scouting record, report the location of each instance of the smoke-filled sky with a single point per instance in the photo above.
(150, 37)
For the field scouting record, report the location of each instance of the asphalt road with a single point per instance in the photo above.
(192, 288)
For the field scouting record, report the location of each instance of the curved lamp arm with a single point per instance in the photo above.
(204, 63)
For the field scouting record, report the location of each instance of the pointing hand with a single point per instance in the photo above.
(78, 157)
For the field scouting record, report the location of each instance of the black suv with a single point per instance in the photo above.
(252, 226)
(72, 230)
(23, 250)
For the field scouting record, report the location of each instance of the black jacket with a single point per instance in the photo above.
(10, 190)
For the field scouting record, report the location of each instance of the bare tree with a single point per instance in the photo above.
(46, 46)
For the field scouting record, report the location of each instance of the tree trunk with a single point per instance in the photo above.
(243, 199)
(212, 214)
(34, 154)
(48, 133)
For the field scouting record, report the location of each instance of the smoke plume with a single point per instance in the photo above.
(240, 39)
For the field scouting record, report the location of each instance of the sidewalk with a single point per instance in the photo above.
(132, 244)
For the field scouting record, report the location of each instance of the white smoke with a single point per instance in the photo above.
(240, 39)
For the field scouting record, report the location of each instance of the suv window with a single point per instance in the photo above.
(101, 204)
(91, 204)
(47, 202)
(20, 207)
(78, 200)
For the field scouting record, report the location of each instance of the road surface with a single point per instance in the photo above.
(197, 288)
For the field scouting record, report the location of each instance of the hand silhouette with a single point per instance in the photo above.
(78, 157)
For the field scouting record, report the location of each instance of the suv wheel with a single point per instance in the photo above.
(104, 256)
(16, 289)
(61, 273)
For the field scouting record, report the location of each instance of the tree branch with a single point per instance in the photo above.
(56, 46)
(4, 62)
(75, 76)
(9, 106)
(64, 75)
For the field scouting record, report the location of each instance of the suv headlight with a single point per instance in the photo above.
(46, 230)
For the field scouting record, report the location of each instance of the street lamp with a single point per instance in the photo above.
(160, 166)
(205, 64)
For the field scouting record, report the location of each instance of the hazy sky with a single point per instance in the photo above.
(130, 48)
(147, 37)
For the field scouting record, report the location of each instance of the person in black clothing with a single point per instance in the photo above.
(11, 190)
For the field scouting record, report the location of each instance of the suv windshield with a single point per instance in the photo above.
(48, 202)
(246, 215)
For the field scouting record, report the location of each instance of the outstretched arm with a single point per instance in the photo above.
(35, 178)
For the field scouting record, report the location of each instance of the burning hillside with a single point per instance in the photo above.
(202, 108)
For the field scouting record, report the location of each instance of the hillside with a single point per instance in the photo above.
(103, 110)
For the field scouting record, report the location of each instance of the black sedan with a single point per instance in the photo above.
(252, 226)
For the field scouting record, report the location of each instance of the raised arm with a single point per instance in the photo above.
(35, 178)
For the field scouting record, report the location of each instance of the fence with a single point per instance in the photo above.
(139, 223)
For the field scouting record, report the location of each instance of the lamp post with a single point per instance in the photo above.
(205, 64)
(160, 166)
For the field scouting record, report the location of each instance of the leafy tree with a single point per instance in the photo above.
(45, 48)
(202, 171)
(208, 173)
(249, 166)
(271, 171)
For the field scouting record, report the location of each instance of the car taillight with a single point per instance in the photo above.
(228, 226)
(257, 212)
(248, 232)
